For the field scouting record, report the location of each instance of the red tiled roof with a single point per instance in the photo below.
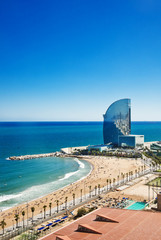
(133, 225)
(88, 229)
(103, 218)
(62, 238)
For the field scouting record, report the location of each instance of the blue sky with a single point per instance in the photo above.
(69, 60)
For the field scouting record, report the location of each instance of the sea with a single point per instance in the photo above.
(22, 181)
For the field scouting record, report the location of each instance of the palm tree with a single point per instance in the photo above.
(145, 167)
(95, 190)
(73, 198)
(110, 183)
(16, 219)
(90, 191)
(118, 178)
(99, 188)
(81, 194)
(3, 224)
(127, 177)
(23, 214)
(44, 207)
(57, 203)
(122, 177)
(66, 201)
(32, 210)
(107, 184)
(50, 204)
(114, 182)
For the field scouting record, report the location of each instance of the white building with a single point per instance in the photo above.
(99, 147)
(131, 141)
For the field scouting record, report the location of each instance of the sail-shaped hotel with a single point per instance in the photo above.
(117, 121)
(117, 127)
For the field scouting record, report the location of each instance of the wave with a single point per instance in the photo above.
(67, 175)
(37, 190)
(9, 197)
(81, 164)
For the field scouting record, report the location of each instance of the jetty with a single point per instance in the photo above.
(42, 155)
(64, 152)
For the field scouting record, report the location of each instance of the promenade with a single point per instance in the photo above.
(107, 173)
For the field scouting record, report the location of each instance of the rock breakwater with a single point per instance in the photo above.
(25, 157)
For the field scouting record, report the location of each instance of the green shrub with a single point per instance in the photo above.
(81, 211)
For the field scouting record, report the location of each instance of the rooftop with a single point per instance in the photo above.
(114, 224)
(132, 135)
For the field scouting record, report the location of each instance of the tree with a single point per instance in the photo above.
(23, 214)
(90, 191)
(16, 219)
(114, 182)
(57, 203)
(73, 198)
(95, 190)
(122, 177)
(81, 194)
(44, 207)
(107, 183)
(50, 204)
(127, 177)
(32, 210)
(110, 183)
(145, 167)
(29, 236)
(118, 179)
(66, 201)
(99, 186)
(81, 211)
(3, 224)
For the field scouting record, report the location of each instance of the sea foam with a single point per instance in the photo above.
(4, 198)
(38, 190)
(81, 164)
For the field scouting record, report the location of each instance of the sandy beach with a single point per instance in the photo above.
(103, 168)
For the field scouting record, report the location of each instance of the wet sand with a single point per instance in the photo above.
(103, 168)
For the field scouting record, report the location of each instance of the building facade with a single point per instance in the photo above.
(99, 148)
(156, 146)
(134, 141)
(117, 121)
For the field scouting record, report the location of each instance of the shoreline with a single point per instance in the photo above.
(64, 152)
(102, 168)
(42, 196)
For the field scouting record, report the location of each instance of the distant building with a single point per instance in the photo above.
(99, 148)
(117, 121)
(156, 146)
(134, 141)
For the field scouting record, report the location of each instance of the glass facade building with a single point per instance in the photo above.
(117, 121)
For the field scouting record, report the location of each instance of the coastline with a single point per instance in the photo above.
(52, 191)
(101, 169)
